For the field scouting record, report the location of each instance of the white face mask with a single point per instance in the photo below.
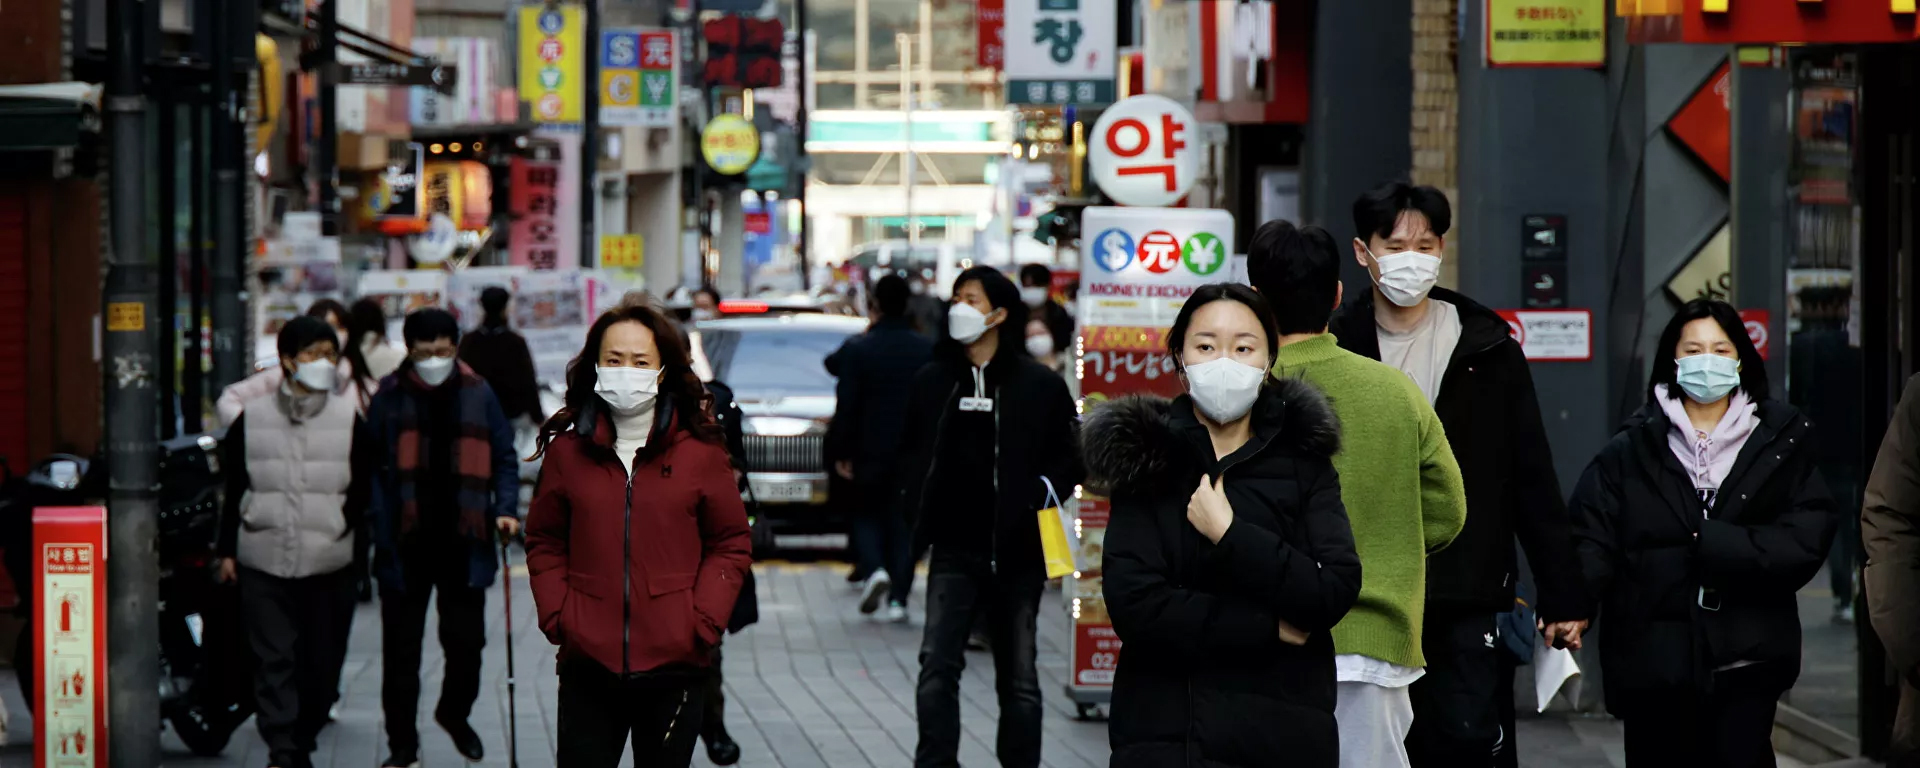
(1707, 378)
(1040, 346)
(965, 324)
(1224, 388)
(434, 370)
(705, 314)
(628, 391)
(316, 375)
(1407, 276)
(1033, 295)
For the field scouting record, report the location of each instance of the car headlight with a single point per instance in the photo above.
(780, 426)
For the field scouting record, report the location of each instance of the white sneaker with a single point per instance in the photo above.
(876, 588)
(896, 613)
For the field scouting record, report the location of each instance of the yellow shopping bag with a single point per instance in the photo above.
(1057, 536)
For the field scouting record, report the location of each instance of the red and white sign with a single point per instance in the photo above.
(534, 240)
(1758, 322)
(70, 637)
(1145, 151)
(990, 17)
(1159, 252)
(1552, 335)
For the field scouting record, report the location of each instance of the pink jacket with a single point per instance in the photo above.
(234, 398)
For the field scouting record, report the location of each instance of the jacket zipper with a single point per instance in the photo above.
(993, 557)
(626, 580)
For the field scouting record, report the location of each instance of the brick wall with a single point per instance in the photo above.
(1436, 109)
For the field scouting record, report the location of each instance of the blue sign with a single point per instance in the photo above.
(551, 22)
(620, 50)
(1113, 250)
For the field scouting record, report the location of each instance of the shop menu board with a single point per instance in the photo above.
(1138, 266)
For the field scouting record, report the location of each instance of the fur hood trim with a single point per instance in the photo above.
(1132, 445)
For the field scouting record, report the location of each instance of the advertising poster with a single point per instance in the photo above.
(401, 291)
(1546, 33)
(550, 311)
(1137, 269)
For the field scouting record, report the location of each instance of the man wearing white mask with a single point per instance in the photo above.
(449, 480)
(1470, 369)
(1402, 490)
(991, 437)
(298, 460)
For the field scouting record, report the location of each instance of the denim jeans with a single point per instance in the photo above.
(960, 586)
(881, 538)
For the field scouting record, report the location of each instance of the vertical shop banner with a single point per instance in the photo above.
(552, 47)
(1546, 33)
(1061, 51)
(70, 641)
(1136, 271)
(637, 77)
(550, 311)
(544, 203)
(990, 21)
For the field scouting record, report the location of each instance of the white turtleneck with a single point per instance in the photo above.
(630, 435)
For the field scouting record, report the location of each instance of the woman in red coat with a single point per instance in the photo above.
(637, 543)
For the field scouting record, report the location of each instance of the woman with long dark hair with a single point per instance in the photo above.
(367, 332)
(1225, 594)
(992, 438)
(637, 544)
(1696, 525)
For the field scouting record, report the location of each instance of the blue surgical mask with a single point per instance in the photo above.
(1707, 378)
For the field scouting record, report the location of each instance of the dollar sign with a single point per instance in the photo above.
(1117, 250)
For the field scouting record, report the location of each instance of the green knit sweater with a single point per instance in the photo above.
(1401, 486)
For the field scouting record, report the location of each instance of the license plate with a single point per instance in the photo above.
(787, 492)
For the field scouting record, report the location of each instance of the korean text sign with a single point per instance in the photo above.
(1145, 151)
(552, 44)
(70, 638)
(535, 238)
(636, 77)
(1061, 51)
(1546, 33)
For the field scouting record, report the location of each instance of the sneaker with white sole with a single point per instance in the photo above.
(896, 613)
(876, 588)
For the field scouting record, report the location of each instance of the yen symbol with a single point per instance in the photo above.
(1202, 254)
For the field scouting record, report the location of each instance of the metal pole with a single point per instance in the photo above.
(590, 142)
(232, 40)
(325, 156)
(192, 390)
(907, 160)
(133, 570)
(805, 71)
(166, 126)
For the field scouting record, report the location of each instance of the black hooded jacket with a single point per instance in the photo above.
(1492, 418)
(1204, 679)
(1646, 551)
(973, 480)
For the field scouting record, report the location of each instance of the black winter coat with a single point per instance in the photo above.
(1204, 679)
(1492, 418)
(875, 371)
(1646, 551)
(726, 411)
(1036, 435)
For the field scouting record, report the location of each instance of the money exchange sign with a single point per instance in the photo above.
(636, 77)
(552, 45)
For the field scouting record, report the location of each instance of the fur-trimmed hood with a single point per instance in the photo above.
(1140, 444)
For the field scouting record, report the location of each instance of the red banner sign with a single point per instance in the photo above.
(534, 239)
(1705, 123)
(1096, 654)
(1758, 329)
(70, 637)
(990, 18)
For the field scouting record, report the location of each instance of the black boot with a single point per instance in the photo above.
(465, 740)
(721, 748)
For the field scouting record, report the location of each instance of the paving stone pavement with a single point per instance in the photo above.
(814, 684)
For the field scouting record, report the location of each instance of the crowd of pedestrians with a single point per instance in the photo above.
(1311, 553)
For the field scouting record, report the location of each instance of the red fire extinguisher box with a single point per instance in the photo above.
(70, 637)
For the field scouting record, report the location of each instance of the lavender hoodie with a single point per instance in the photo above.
(1708, 459)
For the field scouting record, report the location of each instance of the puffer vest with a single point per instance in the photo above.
(293, 522)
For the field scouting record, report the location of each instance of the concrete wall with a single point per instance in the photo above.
(1358, 128)
(1533, 141)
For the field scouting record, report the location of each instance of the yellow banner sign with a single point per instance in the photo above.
(1546, 33)
(552, 49)
(622, 251)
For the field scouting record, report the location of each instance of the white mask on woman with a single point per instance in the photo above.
(965, 324)
(1040, 346)
(1034, 295)
(1407, 276)
(1225, 389)
(628, 391)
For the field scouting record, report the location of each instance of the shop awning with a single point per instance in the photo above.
(47, 115)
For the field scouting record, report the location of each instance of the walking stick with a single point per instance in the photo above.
(513, 721)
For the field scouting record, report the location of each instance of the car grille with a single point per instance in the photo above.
(800, 453)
